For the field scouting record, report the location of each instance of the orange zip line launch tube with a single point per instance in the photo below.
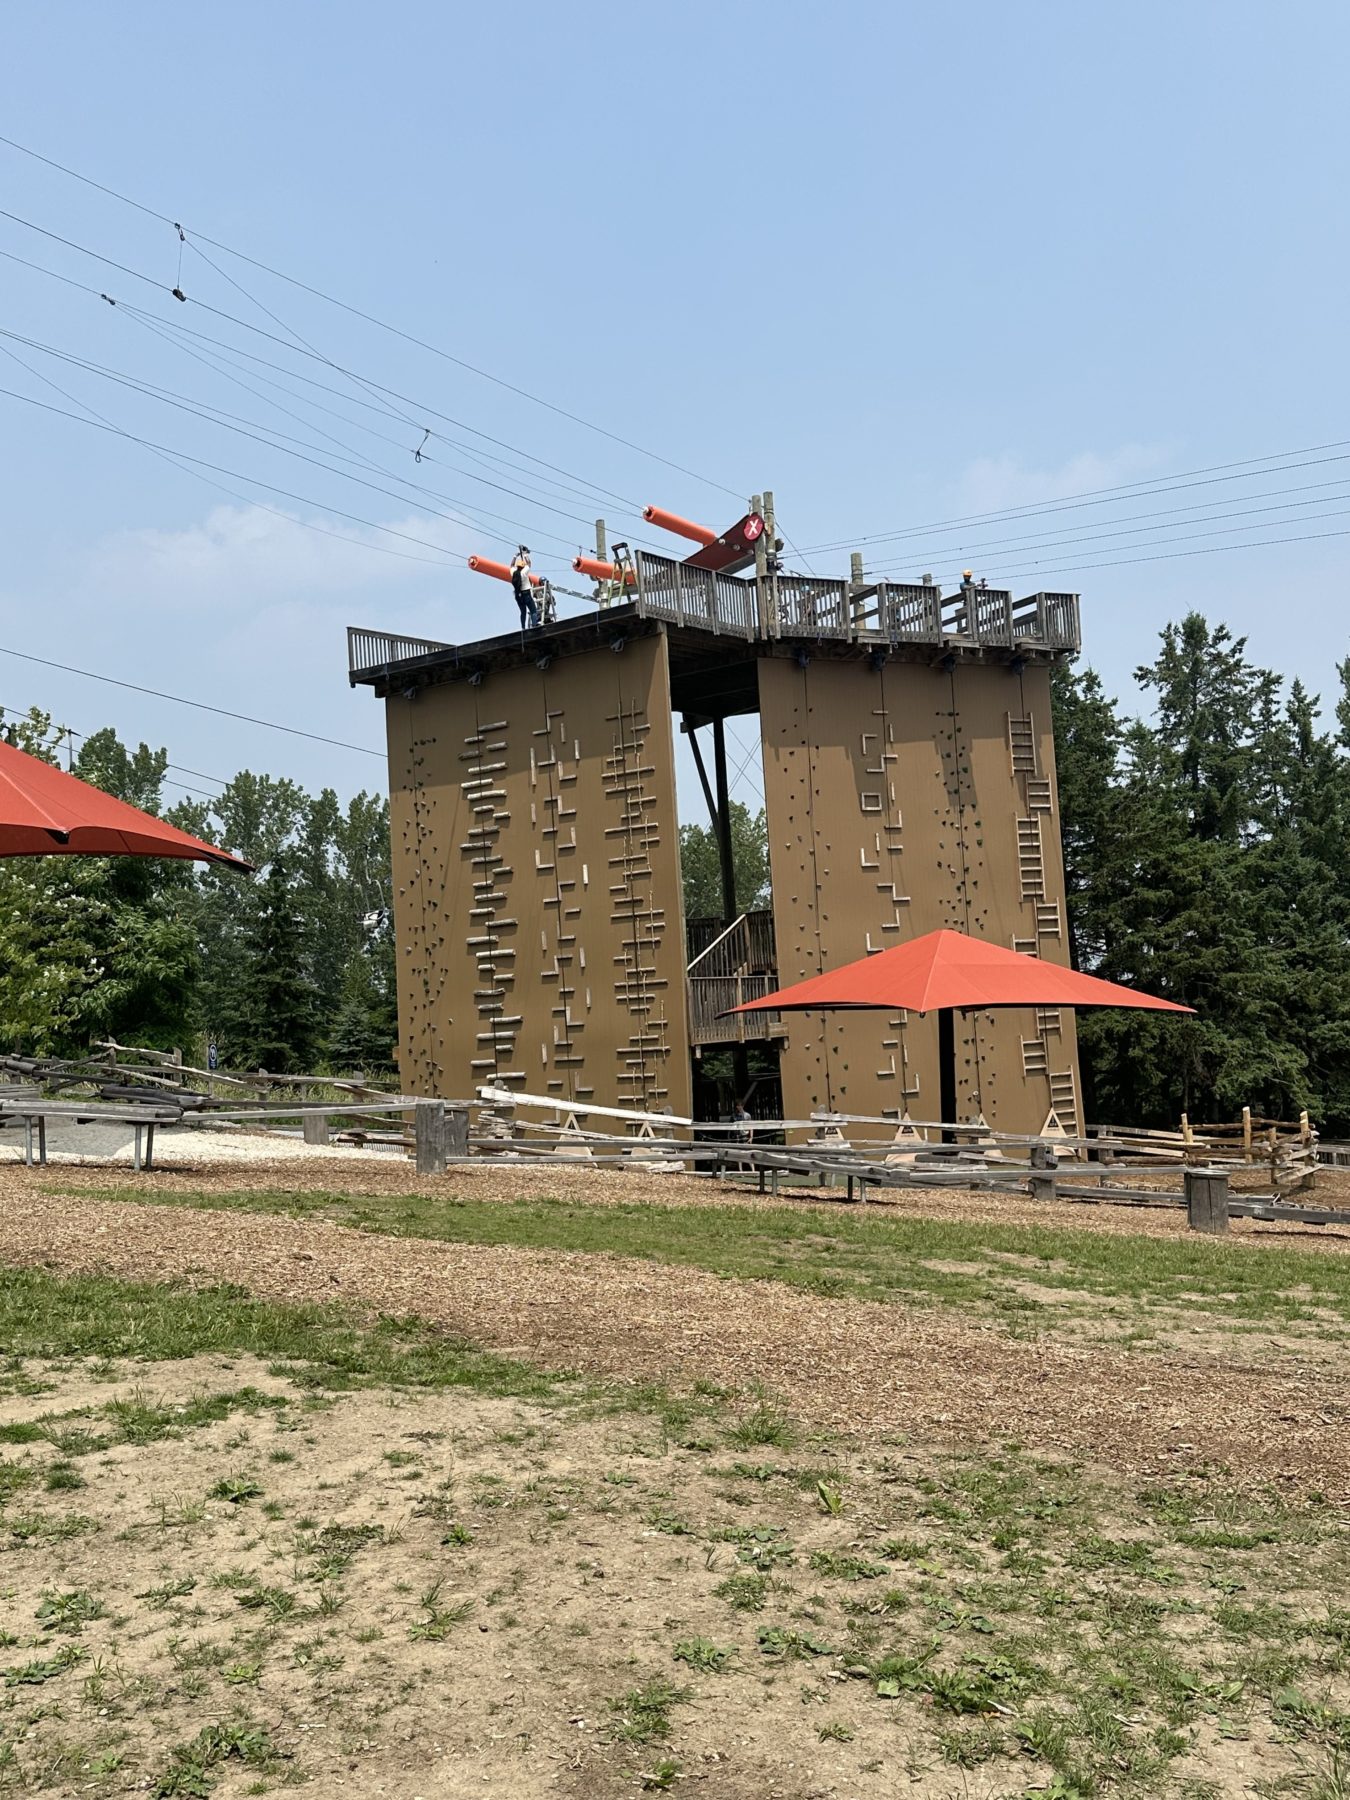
(668, 521)
(485, 566)
(603, 571)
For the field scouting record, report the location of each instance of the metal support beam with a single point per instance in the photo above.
(692, 733)
(723, 824)
(947, 1070)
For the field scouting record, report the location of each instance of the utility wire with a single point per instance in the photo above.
(181, 700)
(19, 714)
(371, 319)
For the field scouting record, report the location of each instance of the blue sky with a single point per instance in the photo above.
(900, 264)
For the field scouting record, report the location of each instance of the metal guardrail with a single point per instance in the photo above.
(367, 650)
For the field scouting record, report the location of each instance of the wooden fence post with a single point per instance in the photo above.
(316, 1127)
(1206, 1199)
(431, 1133)
(1042, 1186)
(457, 1130)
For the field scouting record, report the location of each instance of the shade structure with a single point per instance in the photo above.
(45, 812)
(947, 972)
(946, 969)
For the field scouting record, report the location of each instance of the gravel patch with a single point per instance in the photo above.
(177, 1146)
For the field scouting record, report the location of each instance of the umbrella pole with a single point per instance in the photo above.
(947, 1071)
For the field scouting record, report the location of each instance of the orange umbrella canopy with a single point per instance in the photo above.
(45, 812)
(946, 969)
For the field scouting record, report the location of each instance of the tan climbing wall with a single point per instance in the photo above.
(536, 883)
(901, 800)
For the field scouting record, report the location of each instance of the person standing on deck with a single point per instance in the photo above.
(524, 588)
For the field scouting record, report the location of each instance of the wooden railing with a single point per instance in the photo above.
(711, 996)
(809, 606)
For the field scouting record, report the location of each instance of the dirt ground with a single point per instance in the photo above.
(448, 1596)
(882, 1550)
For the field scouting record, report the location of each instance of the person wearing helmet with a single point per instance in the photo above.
(524, 589)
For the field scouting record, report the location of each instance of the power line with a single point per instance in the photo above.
(381, 324)
(181, 700)
(18, 714)
(1160, 484)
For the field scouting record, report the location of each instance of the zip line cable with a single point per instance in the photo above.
(180, 700)
(175, 460)
(1307, 537)
(1035, 567)
(595, 494)
(182, 404)
(154, 321)
(1020, 547)
(1101, 495)
(371, 319)
(238, 475)
(222, 365)
(1160, 484)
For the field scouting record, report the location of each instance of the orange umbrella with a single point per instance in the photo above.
(45, 812)
(946, 971)
(947, 968)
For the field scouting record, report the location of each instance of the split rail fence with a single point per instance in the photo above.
(1258, 1163)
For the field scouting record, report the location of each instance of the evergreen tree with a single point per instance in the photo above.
(271, 1020)
(700, 864)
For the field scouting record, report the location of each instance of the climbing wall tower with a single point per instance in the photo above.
(904, 798)
(536, 882)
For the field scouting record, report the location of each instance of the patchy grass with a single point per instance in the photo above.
(90, 1316)
(920, 1261)
(411, 1545)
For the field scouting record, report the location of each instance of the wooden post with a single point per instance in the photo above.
(431, 1134)
(856, 582)
(1206, 1199)
(1042, 1186)
(457, 1130)
(315, 1127)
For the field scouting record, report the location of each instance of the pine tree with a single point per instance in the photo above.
(271, 1021)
